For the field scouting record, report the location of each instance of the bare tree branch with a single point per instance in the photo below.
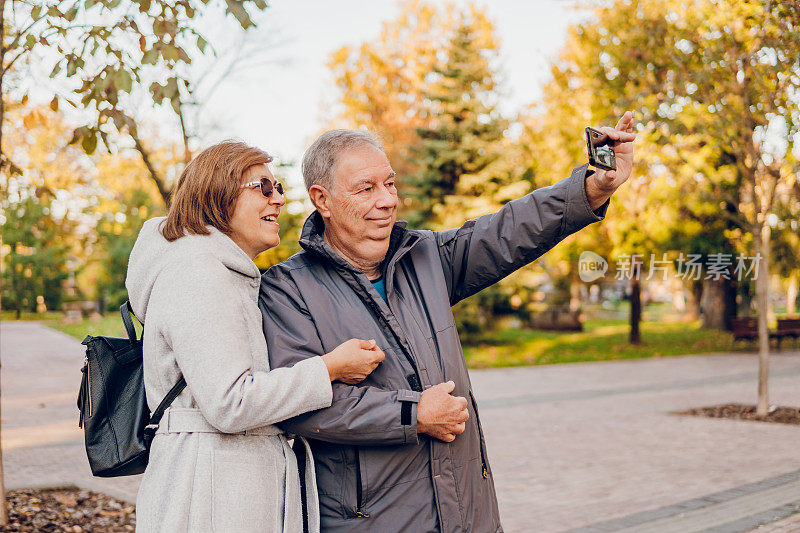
(187, 154)
(154, 175)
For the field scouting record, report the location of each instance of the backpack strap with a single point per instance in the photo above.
(151, 428)
(171, 395)
(126, 311)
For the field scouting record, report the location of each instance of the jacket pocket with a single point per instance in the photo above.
(481, 442)
(246, 492)
(359, 511)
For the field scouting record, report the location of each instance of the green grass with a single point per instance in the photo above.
(29, 315)
(109, 326)
(601, 340)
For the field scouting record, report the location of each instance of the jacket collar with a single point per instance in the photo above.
(312, 241)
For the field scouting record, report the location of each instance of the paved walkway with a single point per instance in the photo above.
(574, 448)
(42, 445)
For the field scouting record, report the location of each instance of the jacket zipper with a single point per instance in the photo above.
(88, 384)
(359, 496)
(82, 397)
(85, 394)
(385, 321)
(484, 469)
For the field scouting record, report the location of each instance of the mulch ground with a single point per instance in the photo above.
(67, 510)
(778, 415)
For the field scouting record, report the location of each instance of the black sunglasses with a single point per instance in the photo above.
(267, 186)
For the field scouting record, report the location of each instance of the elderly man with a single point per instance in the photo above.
(404, 450)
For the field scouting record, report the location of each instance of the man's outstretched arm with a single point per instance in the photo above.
(487, 249)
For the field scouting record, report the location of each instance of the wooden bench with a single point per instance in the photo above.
(746, 329)
(788, 327)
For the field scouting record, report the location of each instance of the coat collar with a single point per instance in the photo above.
(312, 241)
(227, 251)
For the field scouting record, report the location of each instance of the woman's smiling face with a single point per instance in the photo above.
(254, 224)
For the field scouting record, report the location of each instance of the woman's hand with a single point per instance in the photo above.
(353, 360)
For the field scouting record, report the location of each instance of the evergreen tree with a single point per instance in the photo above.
(457, 154)
(381, 83)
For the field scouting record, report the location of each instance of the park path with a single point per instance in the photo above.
(588, 447)
(42, 445)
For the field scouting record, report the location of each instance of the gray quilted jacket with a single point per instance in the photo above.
(374, 472)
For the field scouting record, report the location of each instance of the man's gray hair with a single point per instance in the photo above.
(319, 161)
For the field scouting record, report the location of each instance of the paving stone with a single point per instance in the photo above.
(607, 446)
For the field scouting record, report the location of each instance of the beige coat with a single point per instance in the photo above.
(197, 297)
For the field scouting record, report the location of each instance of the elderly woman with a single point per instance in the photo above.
(218, 462)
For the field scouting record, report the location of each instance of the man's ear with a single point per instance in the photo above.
(321, 198)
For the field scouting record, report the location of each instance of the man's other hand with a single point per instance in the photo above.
(602, 184)
(440, 414)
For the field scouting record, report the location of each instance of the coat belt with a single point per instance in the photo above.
(186, 420)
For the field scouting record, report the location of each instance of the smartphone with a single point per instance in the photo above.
(601, 149)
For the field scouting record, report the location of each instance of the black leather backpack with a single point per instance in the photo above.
(118, 427)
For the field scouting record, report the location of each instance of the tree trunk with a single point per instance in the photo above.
(774, 288)
(575, 295)
(713, 304)
(761, 235)
(3, 505)
(730, 287)
(791, 296)
(678, 298)
(745, 293)
(693, 300)
(636, 306)
(2, 77)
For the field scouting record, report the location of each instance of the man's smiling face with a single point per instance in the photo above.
(362, 207)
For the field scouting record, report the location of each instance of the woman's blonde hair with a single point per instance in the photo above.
(207, 190)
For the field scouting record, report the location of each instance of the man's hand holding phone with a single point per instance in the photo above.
(602, 184)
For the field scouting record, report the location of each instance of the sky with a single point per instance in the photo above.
(280, 107)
